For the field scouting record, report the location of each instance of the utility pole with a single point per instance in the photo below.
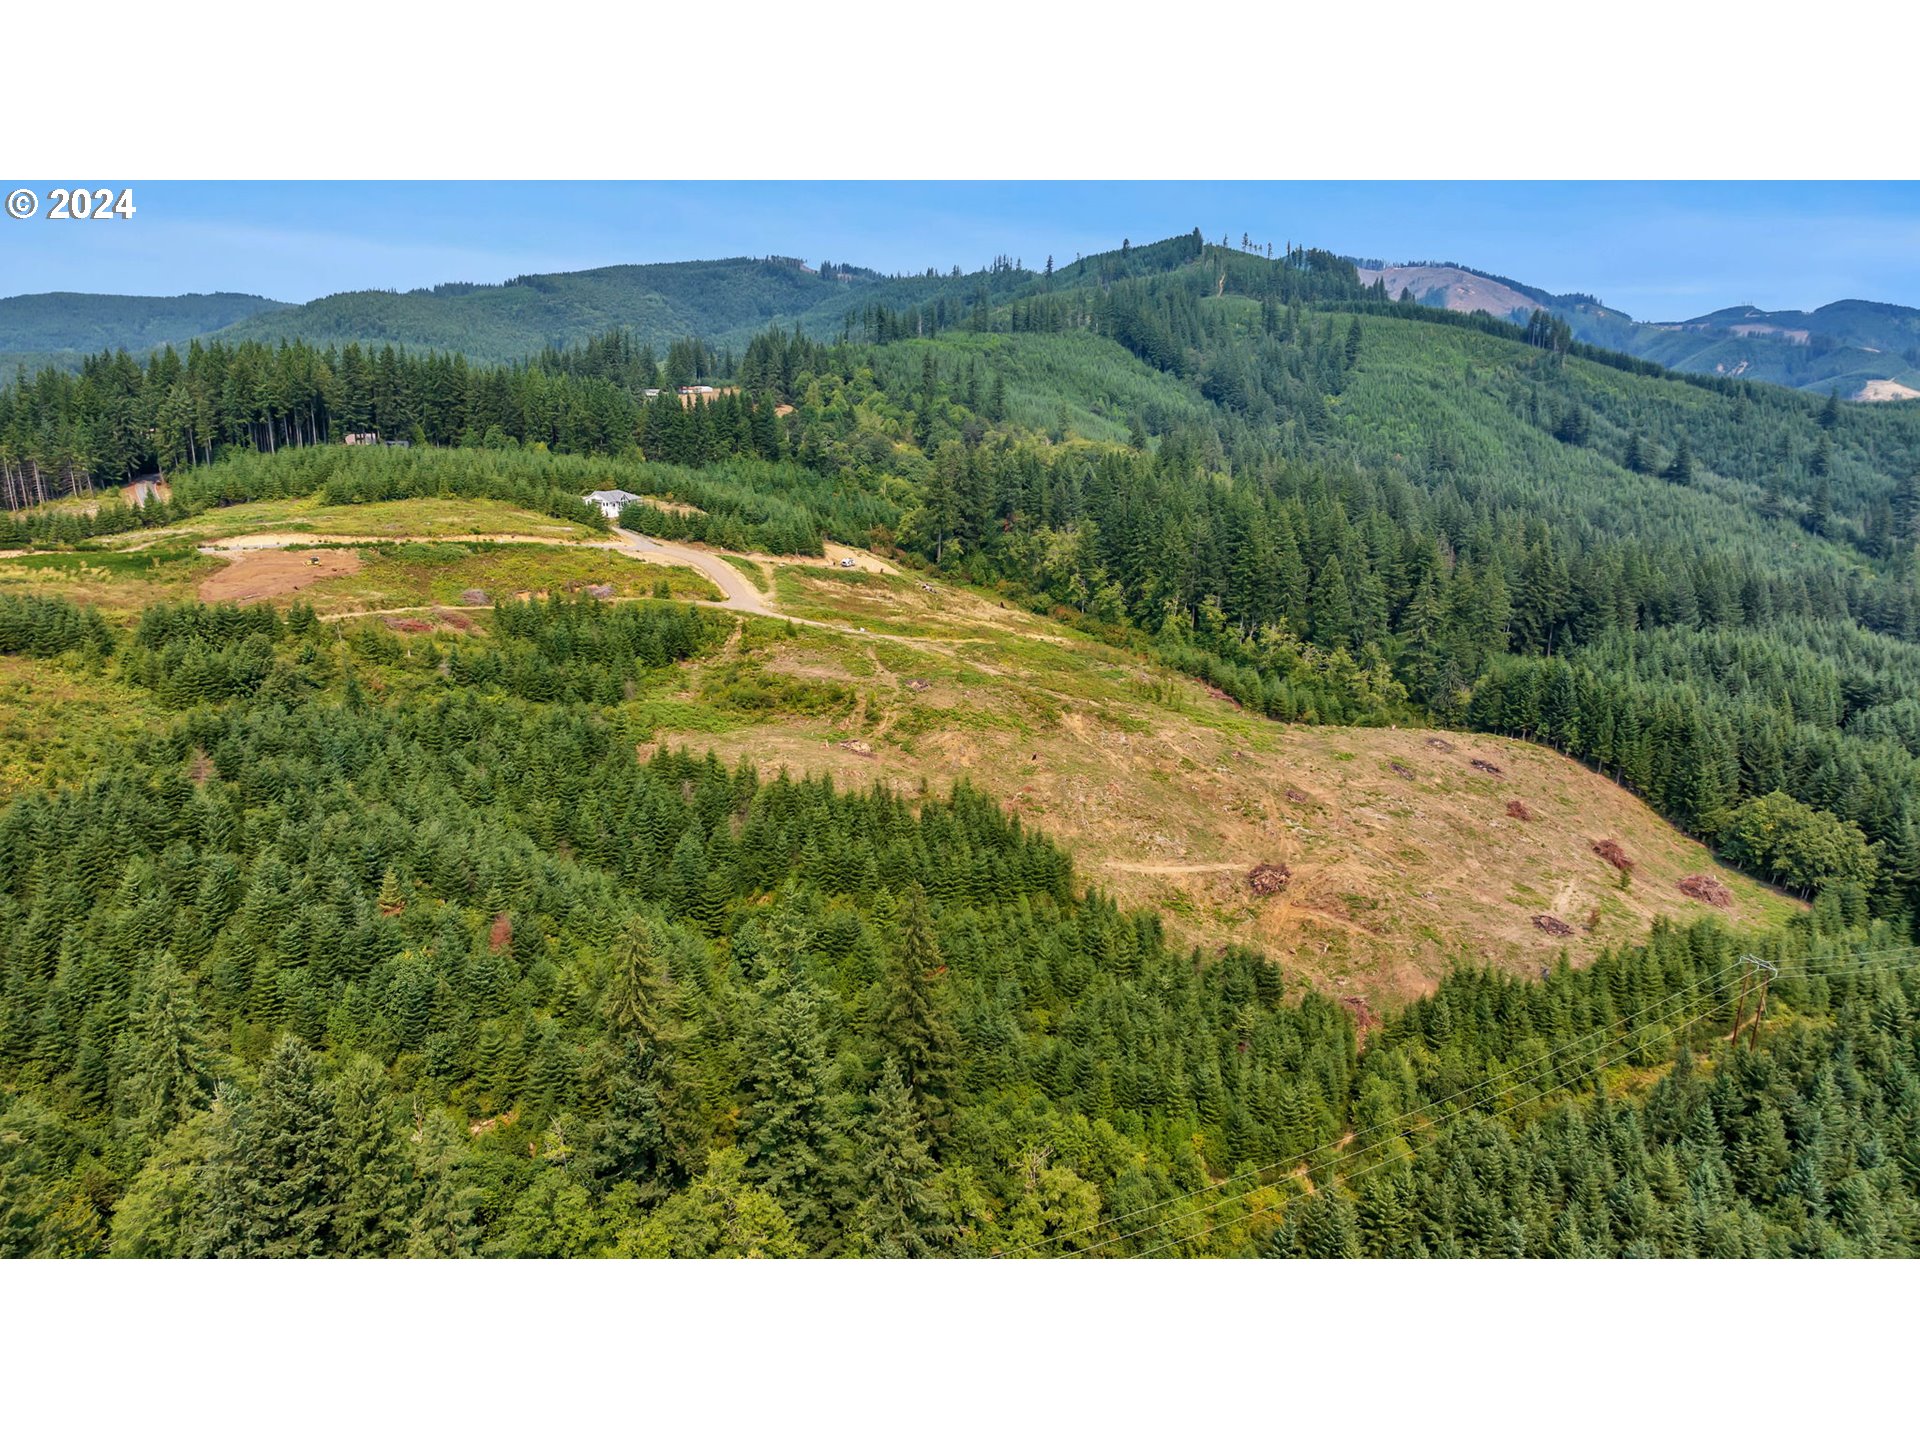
(1747, 962)
(1753, 1038)
(1752, 965)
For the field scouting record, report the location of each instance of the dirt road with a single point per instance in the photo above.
(739, 592)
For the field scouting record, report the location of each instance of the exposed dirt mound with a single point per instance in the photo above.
(500, 933)
(1268, 879)
(263, 574)
(1401, 770)
(1486, 765)
(474, 597)
(1298, 797)
(1434, 742)
(600, 592)
(1552, 924)
(1707, 888)
(1610, 851)
(407, 625)
(1517, 810)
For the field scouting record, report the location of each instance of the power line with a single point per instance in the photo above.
(1293, 1160)
(1368, 1170)
(1670, 1006)
(1665, 1005)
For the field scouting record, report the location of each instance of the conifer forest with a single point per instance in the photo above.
(329, 932)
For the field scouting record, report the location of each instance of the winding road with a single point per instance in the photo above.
(737, 592)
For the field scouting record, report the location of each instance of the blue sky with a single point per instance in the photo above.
(1657, 251)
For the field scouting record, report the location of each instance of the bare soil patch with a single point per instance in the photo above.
(1879, 390)
(264, 574)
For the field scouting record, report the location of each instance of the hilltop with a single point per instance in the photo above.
(1453, 287)
(721, 302)
(63, 329)
(1867, 351)
(1403, 855)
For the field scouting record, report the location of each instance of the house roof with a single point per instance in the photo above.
(610, 497)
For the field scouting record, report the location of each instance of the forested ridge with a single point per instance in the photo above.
(421, 958)
(393, 946)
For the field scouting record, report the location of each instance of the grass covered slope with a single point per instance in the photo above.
(1404, 858)
(1166, 794)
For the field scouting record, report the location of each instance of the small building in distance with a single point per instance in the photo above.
(611, 502)
(364, 437)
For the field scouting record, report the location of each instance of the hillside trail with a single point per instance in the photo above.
(1158, 869)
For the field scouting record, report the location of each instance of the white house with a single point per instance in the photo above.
(611, 501)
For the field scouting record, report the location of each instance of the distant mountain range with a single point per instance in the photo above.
(62, 328)
(1863, 349)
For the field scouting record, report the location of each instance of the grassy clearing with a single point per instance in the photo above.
(119, 584)
(1404, 859)
(393, 576)
(428, 518)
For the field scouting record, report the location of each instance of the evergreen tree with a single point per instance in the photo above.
(901, 1213)
(271, 1188)
(447, 1224)
(1680, 468)
(794, 1133)
(166, 1072)
(913, 1026)
(373, 1175)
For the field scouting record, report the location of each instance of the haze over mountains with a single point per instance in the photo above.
(1864, 350)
